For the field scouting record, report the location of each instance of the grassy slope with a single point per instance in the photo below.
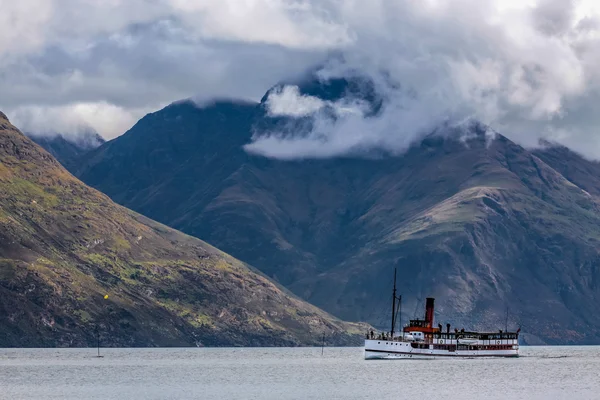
(63, 246)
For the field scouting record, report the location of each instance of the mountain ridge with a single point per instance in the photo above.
(68, 148)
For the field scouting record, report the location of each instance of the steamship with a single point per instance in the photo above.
(420, 339)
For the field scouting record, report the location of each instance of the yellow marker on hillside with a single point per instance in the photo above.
(105, 296)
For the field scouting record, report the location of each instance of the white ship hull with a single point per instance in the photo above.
(392, 350)
(420, 339)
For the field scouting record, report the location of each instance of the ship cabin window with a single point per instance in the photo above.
(447, 347)
(498, 336)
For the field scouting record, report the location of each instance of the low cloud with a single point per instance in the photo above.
(348, 126)
(70, 120)
(287, 101)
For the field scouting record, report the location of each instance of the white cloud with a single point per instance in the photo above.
(527, 68)
(290, 23)
(74, 118)
(21, 25)
(287, 101)
(133, 55)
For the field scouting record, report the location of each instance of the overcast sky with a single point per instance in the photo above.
(529, 69)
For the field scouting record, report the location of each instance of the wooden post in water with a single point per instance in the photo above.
(323, 344)
(98, 339)
(98, 331)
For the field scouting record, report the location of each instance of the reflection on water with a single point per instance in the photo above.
(293, 373)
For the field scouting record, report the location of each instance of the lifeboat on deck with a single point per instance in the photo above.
(467, 340)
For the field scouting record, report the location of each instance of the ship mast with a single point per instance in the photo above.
(394, 306)
(399, 313)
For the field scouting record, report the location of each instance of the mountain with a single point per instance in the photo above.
(497, 233)
(68, 148)
(65, 246)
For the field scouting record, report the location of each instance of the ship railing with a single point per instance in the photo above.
(386, 337)
(389, 339)
(476, 335)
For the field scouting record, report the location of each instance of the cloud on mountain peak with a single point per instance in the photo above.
(528, 69)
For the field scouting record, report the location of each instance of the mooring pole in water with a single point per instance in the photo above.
(98, 328)
(323, 344)
(98, 338)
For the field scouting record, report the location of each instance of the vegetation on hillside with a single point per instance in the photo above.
(65, 246)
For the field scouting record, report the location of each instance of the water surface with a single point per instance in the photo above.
(293, 373)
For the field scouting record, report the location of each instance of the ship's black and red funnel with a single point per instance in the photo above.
(429, 311)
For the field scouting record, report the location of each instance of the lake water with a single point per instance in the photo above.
(293, 373)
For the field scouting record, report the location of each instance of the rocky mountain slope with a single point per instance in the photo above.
(578, 170)
(64, 246)
(473, 219)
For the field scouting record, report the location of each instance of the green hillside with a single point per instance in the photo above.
(64, 246)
